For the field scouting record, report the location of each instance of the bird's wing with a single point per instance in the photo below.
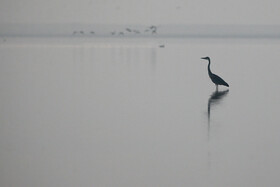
(218, 80)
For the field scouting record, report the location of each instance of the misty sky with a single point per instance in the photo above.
(140, 11)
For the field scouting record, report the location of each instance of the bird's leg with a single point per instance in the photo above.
(216, 87)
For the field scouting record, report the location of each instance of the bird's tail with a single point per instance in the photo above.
(226, 84)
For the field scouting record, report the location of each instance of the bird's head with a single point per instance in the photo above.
(205, 58)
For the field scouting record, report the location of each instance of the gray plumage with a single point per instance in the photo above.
(215, 78)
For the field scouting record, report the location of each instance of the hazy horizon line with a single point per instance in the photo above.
(141, 30)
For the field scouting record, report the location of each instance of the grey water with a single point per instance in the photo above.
(139, 112)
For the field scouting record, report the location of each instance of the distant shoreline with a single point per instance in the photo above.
(173, 31)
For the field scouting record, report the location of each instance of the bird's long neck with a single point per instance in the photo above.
(209, 70)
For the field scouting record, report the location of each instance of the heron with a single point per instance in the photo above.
(215, 78)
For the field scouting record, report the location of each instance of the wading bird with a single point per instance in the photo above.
(215, 78)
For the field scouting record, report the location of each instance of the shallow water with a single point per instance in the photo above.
(132, 112)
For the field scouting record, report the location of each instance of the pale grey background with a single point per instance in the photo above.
(140, 12)
(93, 111)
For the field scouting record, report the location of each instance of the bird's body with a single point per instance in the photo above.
(215, 78)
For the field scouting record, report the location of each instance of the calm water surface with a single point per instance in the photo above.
(132, 112)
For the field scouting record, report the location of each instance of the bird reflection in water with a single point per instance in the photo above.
(214, 99)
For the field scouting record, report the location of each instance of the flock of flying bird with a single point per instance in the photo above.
(152, 30)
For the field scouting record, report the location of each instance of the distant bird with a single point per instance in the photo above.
(215, 78)
(136, 31)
